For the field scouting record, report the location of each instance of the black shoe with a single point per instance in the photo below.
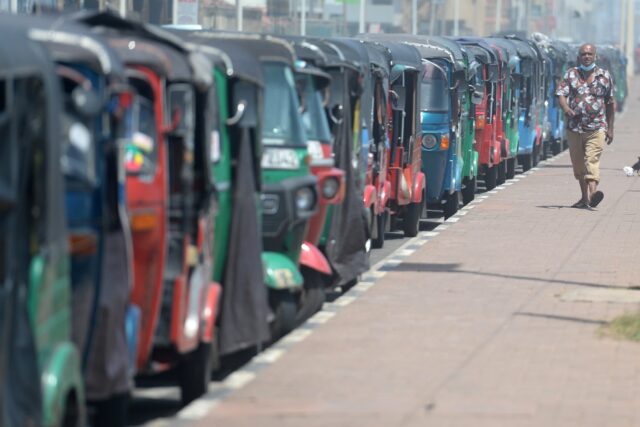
(596, 198)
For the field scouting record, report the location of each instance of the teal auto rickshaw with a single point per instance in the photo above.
(40, 366)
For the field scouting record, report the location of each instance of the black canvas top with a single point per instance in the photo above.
(481, 49)
(307, 50)
(401, 52)
(69, 41)
(151, 46)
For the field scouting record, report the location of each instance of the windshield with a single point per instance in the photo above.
(314, 118)
(281, 117)
(434, 90)
(140, 136)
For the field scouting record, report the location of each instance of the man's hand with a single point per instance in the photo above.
(609, 136)
(569, 112)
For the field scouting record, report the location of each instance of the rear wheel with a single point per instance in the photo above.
(490, 178)
(312, 297)
(111, 412)
(194, 373)
(380, 222)
(411, 221)
(526, 160)
(469, 191)
(502, 172)
(511, 168)
(556, 147)
(535, 155)
(451, 204)
(285, 308)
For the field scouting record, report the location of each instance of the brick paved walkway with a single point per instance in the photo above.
(485, 325)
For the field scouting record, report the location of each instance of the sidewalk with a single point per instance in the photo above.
(492, 322)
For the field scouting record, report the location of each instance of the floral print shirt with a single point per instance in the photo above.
(588, 100)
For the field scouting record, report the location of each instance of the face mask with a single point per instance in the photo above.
(587, 68)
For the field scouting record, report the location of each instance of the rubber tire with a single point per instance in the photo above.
(556, 147)
(285, 308)
(111, 412)
(450, 206)
(379, 225)
(491, 178)
(535, 156)
(313, 295)
(194, 373)
(502, 172)
(511, 168)
(546, 148)
(469, 191)
(527, 160)
(411, 220)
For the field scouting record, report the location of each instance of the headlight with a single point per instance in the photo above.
(280, 158)
(429, 141)
(305, 199)
(270, 203)
(330, 187)
(314, 148)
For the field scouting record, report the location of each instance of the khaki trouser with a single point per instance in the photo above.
(585, 150)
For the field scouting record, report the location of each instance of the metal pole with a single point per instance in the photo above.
(13, 7)
(456, 18)
(631, 13)
(238, 15)
(414, 17)
(344, 16)
(175, 12)
(123, 8)
(362, 24)
(622, 24)
(432, 20)
(498, 15)
(303, 17)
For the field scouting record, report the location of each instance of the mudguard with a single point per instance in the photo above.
(312, 258)
(210, 311)
(60, 379)
(384, 196)
(280, 272)
(418, 188)
(370, 195)
(132, 329)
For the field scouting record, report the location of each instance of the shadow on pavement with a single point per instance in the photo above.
(556, 317)
(454, 268)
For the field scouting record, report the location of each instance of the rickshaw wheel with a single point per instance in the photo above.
(526, 161)
(535, 155)
(380, 223)
(502, 172)
(285, 307)
(490, 178)
(451, 205)
(313, 295)
(511, 168)
(469, 191)
(411, 220)
(194, 373)
(556, 147)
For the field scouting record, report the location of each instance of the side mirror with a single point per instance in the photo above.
(86, 102)
(180, 102)
(336, 113)
(398, 97)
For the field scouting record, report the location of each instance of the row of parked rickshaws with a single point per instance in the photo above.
(170, 197)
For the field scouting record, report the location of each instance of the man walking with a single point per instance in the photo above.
(585, 95)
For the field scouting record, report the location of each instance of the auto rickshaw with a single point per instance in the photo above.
(346, 235)
(40, 366)
(239, 264)
(466, 85)
(378, 186)
(94, 103)
(487, 145)
(408, 182)
(169, 195)
(508, 98)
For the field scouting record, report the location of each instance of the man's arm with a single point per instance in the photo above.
(565, 106)
(610, 113)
